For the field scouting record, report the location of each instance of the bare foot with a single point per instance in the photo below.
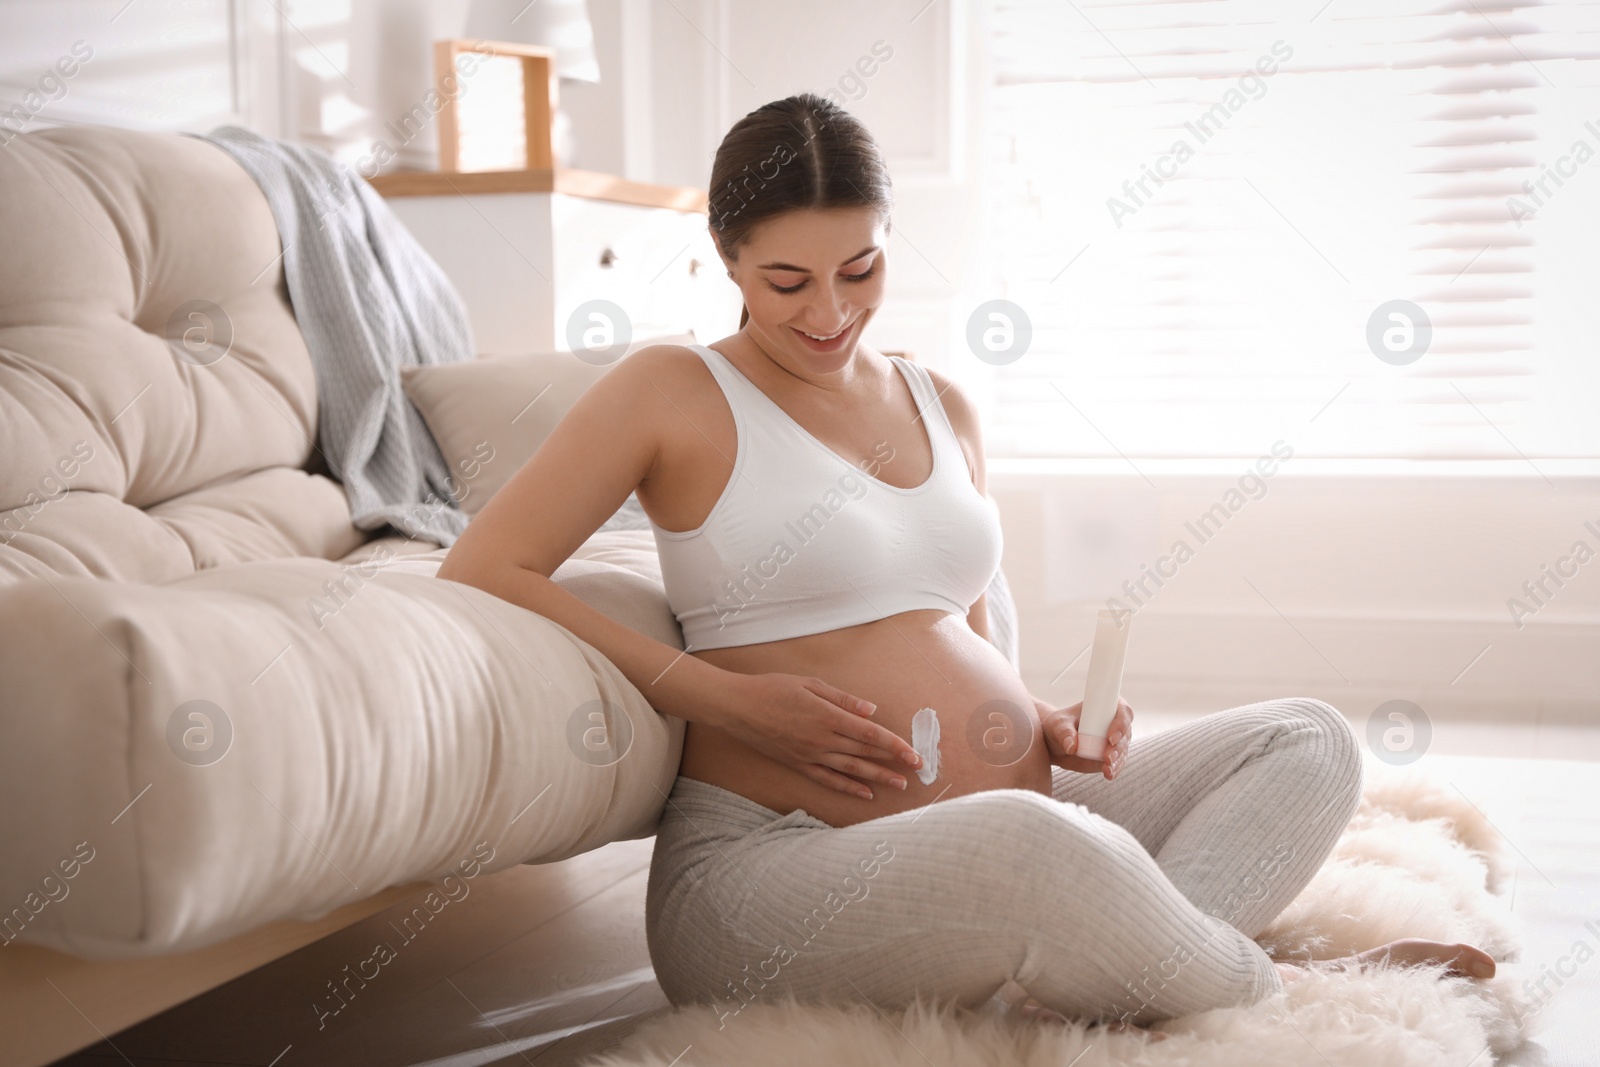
(1462, 961)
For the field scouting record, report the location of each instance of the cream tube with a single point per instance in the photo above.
(1104, 686)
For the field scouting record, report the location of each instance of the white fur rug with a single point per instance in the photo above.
(1416, 861)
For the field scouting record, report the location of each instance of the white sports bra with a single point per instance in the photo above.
(802, 541)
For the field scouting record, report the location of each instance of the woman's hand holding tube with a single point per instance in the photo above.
(1061, 739)
(818, 729)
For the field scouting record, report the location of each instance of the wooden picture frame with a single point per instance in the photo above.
(451, 60)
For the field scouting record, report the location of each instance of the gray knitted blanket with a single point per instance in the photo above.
(368, 300)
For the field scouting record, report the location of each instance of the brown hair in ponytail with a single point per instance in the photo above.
(802, 151)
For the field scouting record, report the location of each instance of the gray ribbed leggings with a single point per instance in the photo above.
(1135, 898)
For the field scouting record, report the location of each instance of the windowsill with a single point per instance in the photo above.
(1552, 469)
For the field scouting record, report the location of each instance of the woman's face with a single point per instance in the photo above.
(811, 280)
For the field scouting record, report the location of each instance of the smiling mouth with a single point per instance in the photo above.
(827, 341)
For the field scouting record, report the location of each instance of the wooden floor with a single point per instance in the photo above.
(546, 965)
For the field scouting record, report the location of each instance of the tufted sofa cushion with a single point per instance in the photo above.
(168, 543)
(157, 404)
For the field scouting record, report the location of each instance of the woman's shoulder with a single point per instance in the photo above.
(664, 353)
(656, 364)
(668, 378)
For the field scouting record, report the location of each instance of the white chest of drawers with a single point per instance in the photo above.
(529, 250)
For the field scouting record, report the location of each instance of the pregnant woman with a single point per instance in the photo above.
(826, 542)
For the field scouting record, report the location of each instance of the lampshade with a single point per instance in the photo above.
(562, 25)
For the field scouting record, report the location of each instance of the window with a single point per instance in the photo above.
(1201, 206)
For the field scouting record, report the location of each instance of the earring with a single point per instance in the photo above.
(730, 274)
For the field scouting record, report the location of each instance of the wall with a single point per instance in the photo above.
(186, 66)
(1357, 589)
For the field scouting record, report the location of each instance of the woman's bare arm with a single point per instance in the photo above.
(597, 454)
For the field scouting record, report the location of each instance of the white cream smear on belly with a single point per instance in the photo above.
(925, 739)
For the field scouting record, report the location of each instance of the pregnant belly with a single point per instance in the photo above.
(989, 732)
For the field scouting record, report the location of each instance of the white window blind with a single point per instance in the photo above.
(1226, 305)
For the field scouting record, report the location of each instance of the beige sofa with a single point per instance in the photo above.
(223, 708)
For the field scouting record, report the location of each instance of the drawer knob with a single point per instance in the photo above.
(608, 258)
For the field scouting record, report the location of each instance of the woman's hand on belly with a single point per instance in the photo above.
(1061, 739)
(819, 730)
(989, 731)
